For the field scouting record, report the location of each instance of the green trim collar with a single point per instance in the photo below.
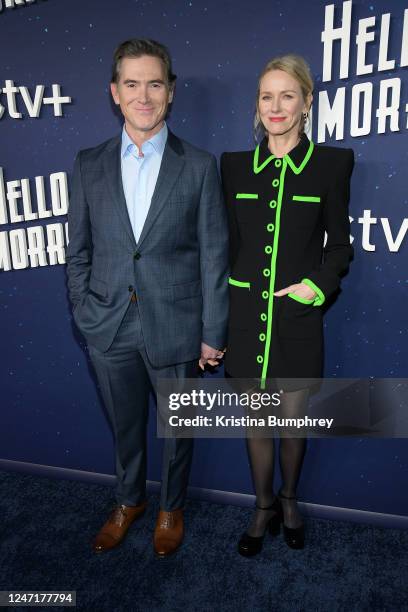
(296, 169)
(258, 168)
(300, 168)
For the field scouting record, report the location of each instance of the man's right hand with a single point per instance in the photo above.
(210, 355)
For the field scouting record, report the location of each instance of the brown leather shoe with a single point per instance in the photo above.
(168, 533)
(116, 527)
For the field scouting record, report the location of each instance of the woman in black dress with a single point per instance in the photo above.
(282, 197)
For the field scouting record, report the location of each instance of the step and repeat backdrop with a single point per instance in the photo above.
(54, 100)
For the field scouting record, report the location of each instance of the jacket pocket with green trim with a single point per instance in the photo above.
(306, 198)
(246, 196)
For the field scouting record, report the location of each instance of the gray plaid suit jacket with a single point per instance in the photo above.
(179, 267)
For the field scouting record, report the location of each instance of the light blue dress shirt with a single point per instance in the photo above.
(139, 175)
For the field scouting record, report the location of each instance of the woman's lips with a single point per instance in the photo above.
(277, 119)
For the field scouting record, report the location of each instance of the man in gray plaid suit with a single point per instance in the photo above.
(147, 277)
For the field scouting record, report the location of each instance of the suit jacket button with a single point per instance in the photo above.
(130, 288)
(137, 256)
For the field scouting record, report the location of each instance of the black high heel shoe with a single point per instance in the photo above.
(248, 546)
(294, 536)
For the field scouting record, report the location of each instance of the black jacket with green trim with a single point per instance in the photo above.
(280, 211)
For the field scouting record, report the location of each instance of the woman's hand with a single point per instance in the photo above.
(300, 289)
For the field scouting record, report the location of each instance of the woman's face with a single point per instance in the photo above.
(281, 103)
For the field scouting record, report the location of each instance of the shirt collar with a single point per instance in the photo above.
(157, 142)
(297, 158)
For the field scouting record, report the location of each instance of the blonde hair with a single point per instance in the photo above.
(296, 67)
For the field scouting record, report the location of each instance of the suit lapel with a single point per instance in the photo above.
(170, 168)
(113, 175)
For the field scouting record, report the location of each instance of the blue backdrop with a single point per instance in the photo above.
(50, 410)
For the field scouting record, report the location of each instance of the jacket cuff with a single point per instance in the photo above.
(320, 297)
(214, 338)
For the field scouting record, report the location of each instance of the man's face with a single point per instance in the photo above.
(143, 94)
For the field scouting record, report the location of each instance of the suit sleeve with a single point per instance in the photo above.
(233, 229)
(337, 253)
(79, 251)
(213, 240)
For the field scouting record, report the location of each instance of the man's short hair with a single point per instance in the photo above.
(137, 47)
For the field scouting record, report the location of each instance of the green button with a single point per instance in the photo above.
(278, 163)
(270, 227)
(268, 249)
(263, 317)
(265, 295)
(262, 337)
(272, 204)
(259, 358)
(266, 272)
(275, 182)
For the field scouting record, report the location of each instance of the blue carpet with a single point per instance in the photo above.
(47, 525)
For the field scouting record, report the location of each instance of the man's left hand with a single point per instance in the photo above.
(209, 355)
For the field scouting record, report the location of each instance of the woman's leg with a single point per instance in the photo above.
(261, 458)
(291, 454)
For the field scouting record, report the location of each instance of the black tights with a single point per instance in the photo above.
(291, 453)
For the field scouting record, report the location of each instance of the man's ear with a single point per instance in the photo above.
(114, 92)
(171, 94)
